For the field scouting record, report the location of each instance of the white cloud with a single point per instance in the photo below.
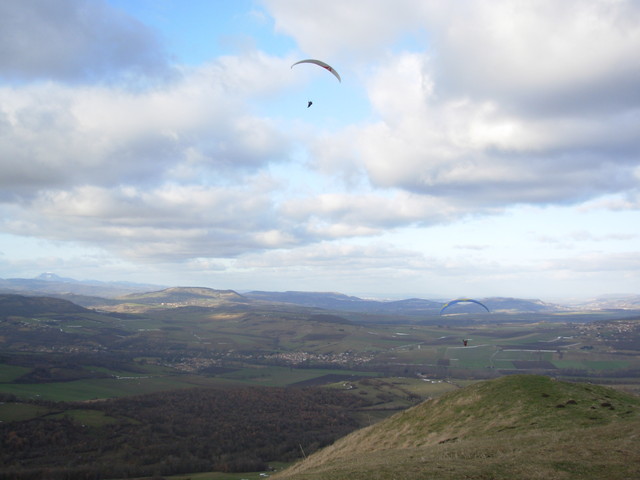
(366, 214)
(55, 136)
(334, 28)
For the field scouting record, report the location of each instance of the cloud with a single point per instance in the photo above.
(501, 105)
(169, 222)
(540, 57)
(362, 214)
(74, 40)
(170, 172)
(626, 201)
(191, 130)
(329, 255)
(334, 28)
(333, 265)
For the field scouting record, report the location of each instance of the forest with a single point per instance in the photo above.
(228, 430)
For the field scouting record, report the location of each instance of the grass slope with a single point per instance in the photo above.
(520, 426)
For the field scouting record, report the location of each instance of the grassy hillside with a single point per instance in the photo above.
(520, 426)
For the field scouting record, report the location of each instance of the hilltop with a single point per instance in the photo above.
(519, 426)
(11, 304)
(182, 296)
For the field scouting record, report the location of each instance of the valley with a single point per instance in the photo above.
(55, 353)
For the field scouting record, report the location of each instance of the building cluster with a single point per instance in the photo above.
(303, 358)
(294, 359)
(599, 329)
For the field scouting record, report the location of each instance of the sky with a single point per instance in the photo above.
(472, 148)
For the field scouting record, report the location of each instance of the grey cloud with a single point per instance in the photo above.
(171, 223)
(53, 136)
(533, 179)
(74, 39)
(363, 214)
(478, 155)
(176, 223)
(540, 58)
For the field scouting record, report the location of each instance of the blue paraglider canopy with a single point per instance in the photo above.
(462, 300)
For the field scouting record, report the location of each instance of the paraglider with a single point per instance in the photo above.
(461, 300)
(326, 66)
(320, 63)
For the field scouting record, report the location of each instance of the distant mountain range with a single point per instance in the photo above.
(90, 293)
(411, 306)
(50, 283)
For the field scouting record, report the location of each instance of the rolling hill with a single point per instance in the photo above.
(520, 426)
(31, 306)
(182, 296)
(93, 293)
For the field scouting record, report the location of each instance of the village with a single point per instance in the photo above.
(292, 359)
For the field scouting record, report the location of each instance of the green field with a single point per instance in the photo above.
(93, 389)
(283, 376)
(12, 411)
(140, 383)
(9, 373)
